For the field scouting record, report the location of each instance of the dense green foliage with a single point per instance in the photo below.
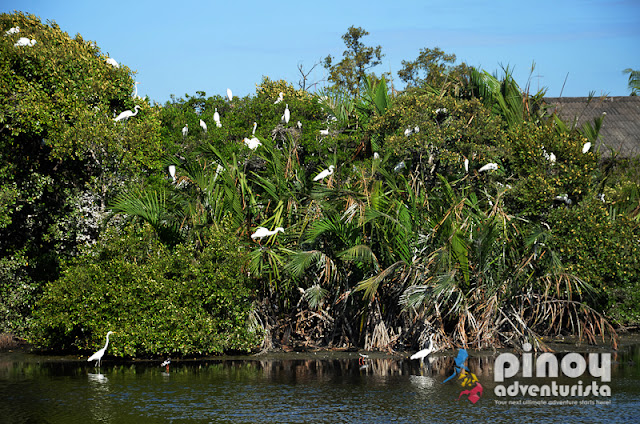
(408, 236)
(62, 157)
(181, 301)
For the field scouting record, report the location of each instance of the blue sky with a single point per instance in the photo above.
(180, 47)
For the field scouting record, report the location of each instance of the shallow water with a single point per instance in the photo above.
(320, 388)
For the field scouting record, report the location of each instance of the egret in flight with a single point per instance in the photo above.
(127, 114)
(324, 173)
(99, 354)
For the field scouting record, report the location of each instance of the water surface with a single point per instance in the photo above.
(305, 388)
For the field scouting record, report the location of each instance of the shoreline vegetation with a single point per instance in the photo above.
(352, 217)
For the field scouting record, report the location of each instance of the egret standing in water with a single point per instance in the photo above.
(425, 352)
(99, 354)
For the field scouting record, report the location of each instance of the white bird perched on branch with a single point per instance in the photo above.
(279, 99)
(216, 118)
(229, 94)
(111, 61)
(262, 232)
(13, 30)
(99, 354)
(203, 125)
(287, 115)
(24, 41)
(185, 130)
(425, 352)
(252, 143)
(586, 147)
(324, 173)
(127, 114)
(172, 172)
(489, 167)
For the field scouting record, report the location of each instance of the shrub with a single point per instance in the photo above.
(189, 300)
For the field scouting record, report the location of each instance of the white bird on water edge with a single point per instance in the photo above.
(425, 352)
(99, 354)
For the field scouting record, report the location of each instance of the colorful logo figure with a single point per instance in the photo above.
(466, 378)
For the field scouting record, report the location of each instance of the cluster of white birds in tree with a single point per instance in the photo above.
(22, 41)
(410, 131)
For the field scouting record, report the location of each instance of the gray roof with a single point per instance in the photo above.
(620, 128)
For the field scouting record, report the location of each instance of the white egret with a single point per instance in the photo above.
(324, 132)
(13, 30)
(203, 125)
(416, 129)
(216, 118)
(252, 143)
(279, 99)
(376, 155)
(407, 132)
(111, 61)
(99, 354)
(166, 363)
(586, 147)
(489, 167)
(324, 173)
(127, 114)
(24, 41)
(135, 94)
(564, 198)
(399, 167)
(185, 130)
(172, 172)
(229, 94)
(262, 232)
(425, 352)
(466, 165)
(287, 115)
(299, 125)
(255, 125)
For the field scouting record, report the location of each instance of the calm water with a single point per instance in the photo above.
(322, 388)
